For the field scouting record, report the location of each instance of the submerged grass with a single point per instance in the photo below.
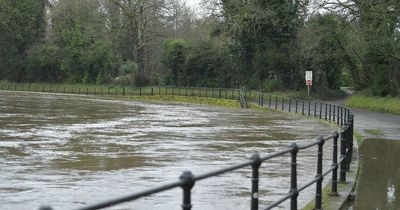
(377, 104)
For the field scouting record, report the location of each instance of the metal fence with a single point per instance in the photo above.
(338, 114)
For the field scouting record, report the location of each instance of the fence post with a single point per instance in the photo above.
(343, 154)
(262, 99)
(335, 165)
(283, 104)
(269, 101)
(315, 109)
(318, 191)
(309, 108)
(188, 182)
(123, 91)
(290, 104)
(220, 93)
(350, 142)
(338, 115)
(293, 177)
(302, 108)
(326, 111)
(320, 110)
(296, 106)
(254, 180)
(330, 112)
(276, 102)
(334, 113)
(341, 116)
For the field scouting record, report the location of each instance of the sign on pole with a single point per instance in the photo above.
(309, 80)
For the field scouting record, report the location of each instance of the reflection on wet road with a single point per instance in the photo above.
(379, 181)
(67, 151)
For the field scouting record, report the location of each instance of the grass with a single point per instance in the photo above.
(194, 100)
(373, 131)
(376, 104)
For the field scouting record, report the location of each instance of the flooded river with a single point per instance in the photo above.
(67, 151)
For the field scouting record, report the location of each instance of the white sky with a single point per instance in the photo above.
(193, 3)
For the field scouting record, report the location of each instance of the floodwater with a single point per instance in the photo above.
(379, 181)
(68, 151)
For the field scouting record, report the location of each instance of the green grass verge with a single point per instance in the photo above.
(194, 100)
(377, 104)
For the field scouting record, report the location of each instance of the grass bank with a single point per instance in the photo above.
(186, 99)
(376, 104)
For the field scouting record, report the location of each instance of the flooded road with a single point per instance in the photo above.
(67, 151)
(379, 181)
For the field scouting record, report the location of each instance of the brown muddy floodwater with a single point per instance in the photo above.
(67, 151)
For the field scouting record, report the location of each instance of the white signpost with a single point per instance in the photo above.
(309, 78)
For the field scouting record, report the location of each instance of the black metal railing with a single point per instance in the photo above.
(330, 112)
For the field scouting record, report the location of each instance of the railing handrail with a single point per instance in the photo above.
(330, 112)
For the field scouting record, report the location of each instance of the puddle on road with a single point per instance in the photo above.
(379, 181)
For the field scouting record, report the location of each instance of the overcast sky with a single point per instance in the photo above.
(193, 3)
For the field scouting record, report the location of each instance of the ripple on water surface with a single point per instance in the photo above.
(67, 151)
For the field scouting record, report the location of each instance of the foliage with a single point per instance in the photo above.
(379, 104)
(201, 64)
(22, 24)
(263, 37)
(174, 58)
(320, 50)
(260, 45)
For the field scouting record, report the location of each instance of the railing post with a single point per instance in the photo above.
(334, 164)
(350, 142)
(343, 154)
(341, 116)
(334, 113)
(320, 110)
(254, 181)
(318, 191)
(315, 109)
(262, 99)
(330, 112)
(269, 101)
(188, 182)
(338, 115)
(293, 177)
